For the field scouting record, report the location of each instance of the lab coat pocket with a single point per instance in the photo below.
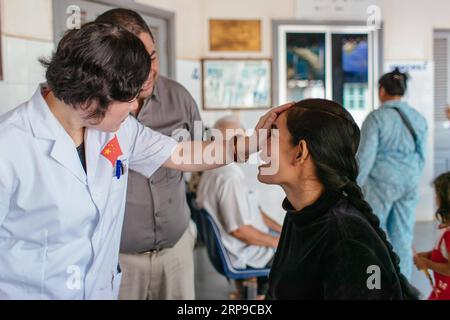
(23, 268)
(116, 284)
(120, 176)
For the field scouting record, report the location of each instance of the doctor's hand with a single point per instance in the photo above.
(261, 132)
(194, 156)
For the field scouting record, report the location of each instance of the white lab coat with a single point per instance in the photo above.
(60, 228)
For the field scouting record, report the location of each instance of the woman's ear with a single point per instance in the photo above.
(302, 152)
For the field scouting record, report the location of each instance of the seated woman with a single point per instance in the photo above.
(331, 245)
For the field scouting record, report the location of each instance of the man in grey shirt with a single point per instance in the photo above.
(157, 238)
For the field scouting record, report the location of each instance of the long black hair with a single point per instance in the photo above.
(101, 63)
(333, 139)
(442, 189)
(394, 83)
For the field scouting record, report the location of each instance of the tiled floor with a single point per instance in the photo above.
(211, 286)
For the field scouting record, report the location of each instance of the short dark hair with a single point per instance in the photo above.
(442, 189)
(127, 19)
(394, 83)
(100, 63)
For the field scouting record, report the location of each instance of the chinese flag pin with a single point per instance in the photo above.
(112, 150)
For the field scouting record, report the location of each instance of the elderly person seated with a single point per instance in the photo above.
(244, 227)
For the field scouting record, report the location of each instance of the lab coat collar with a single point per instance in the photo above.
(43, 122)
(45, 126)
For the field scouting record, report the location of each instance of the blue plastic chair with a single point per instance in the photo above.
(210, 235)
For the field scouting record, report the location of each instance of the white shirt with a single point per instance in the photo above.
(224, 193)
(60, 227)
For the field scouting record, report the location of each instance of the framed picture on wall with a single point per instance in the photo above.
(236, 84)
(234, 35)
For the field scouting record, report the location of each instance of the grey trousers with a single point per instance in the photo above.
(164, 275)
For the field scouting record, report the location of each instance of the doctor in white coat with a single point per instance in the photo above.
(64, 158)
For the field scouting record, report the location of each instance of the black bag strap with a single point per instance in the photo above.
(408, 125)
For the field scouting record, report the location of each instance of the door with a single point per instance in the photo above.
(90, 10)
(441, 100)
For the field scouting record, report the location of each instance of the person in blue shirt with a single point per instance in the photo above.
(391, 157)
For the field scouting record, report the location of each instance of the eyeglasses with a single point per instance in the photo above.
(153, 55)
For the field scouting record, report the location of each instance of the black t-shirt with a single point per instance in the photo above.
(329, 251)
(82, 155)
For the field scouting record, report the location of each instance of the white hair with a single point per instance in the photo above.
(222, 122)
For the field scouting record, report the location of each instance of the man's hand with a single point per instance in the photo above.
(447, 111)
(255, 237)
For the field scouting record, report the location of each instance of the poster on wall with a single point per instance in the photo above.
(236, 84)
(419, 95)
(335, 10)
(234, 35)
(420, 85)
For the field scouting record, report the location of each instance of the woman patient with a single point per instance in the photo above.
(244, 226)
(331, 245)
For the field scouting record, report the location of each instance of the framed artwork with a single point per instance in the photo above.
(236, 84)
(234, 35)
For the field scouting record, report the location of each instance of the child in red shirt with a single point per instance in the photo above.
(438, 259)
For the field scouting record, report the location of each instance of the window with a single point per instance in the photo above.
(332, 62)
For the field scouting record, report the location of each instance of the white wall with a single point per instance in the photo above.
(409, 27)
(26, 36)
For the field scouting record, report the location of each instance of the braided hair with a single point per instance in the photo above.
(394, 83)
(333, 139)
